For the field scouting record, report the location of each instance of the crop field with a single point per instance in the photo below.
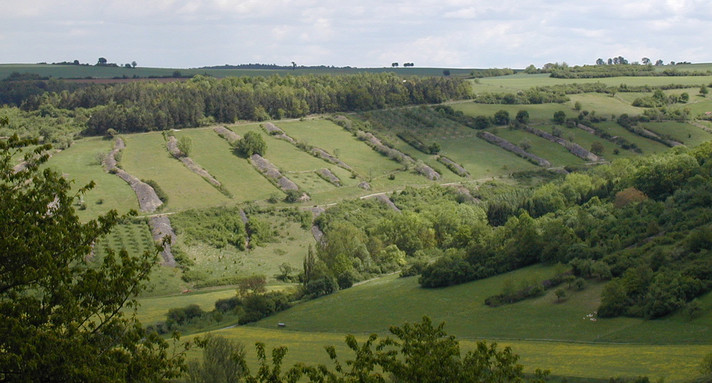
(146, 157)
(135, 237)
(81, 162)
(235, 174)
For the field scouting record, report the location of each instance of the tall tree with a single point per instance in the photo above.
(63, 313)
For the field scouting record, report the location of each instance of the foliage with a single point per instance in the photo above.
(146, 106)
(216, 227)
(419, 352)
(185, 145)
(251, 143)
(222, 361)
(62, 315)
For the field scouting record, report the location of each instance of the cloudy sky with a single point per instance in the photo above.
(363, 33)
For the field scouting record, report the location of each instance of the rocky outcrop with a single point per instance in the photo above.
(160, 229)
(453, 166)
(272, 173)
(329, 177)
(227, 134)
(394, 154)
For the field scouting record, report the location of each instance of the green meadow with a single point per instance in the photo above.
(81, 163)
(147, 158)
(547, 332)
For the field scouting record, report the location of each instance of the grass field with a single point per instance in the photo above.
(547, 334)
(672, 362)
(235, 174)
(646, 145)
(523, 81)
(146, 157)
(681, 132)
(537, 113)
(555, 153)
(80, 162)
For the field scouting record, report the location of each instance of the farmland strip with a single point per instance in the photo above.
(396, 155)
(572, 147)
(506, 145)
(172, 146)
(148, 200)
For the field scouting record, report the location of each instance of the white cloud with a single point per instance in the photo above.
(366, 33)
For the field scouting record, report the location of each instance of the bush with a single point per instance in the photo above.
(251, 143)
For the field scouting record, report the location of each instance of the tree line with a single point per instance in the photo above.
(147, 106)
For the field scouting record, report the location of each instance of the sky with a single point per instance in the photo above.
(368, 33)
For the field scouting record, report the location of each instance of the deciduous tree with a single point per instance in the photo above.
(63, 313)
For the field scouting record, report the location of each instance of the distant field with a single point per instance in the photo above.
(539, 112)
(81, 72)
(523, 81)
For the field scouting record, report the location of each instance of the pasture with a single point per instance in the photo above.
(81, 163)
(146, 157)
(547, 334)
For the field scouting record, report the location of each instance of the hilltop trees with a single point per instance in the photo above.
(63, 314)
(146, 106)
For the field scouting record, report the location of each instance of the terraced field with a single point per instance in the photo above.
(146, 157)
(81, 162)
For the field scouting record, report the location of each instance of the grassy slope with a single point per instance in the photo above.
(555, 153)
(685, 133)
(79, 163)
(146, 157)
(574, 346)
(236, 174)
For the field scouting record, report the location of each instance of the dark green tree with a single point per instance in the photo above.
(522, 117)
(560, 117)
(63, 313)
(501, 117)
